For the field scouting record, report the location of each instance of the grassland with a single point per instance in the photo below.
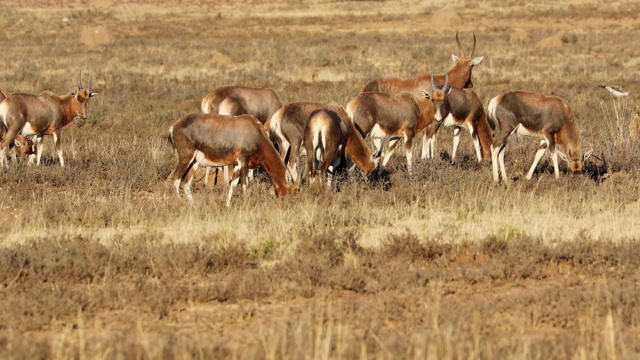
(101, 259)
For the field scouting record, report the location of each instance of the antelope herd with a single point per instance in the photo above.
(243, 128)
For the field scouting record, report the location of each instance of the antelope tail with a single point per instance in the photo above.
(170, 138)
(491, 113)
(319, 145)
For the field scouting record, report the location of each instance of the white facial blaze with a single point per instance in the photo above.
(438, 115)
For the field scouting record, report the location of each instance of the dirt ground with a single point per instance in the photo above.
(373, 293)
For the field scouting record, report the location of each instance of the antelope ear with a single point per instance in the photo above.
(426, 94)
(17, 143)
(93, 94)
(563, 156)
(587, 155)
(454, 58)
(477, 60)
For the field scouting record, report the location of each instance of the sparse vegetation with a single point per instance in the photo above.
(101, 260)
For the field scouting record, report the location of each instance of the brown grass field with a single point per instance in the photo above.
(101, 260)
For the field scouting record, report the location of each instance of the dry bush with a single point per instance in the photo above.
(103, 260)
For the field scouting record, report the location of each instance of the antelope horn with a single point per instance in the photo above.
(89, 83)
(474, 45)
(433, 82)
(459, 45)
(80, 80)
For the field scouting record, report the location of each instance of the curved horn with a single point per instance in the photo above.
(80, 80)
(474, 45)
(89, 83)
(433, 82)
(459, 45)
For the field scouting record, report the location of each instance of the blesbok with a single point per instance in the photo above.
(386, 119)
(40, 115)
(459, 76)
(325, 140)
(21, 145)
(260, 102)
(462, 108)
(221, 140)
(286, 129)
(531, 113)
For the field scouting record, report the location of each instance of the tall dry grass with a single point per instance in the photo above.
(103, 260)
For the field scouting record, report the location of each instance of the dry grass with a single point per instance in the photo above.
(101, 260)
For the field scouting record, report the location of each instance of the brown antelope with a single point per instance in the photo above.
(40, 115)
(386, 119)
(220, 140)
(462, 108)
(286, 129)
(459, 76)
(260, 102)
(325, 140)
(21, 145)
(530, 113)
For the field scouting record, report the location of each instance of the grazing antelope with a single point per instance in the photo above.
(386, 119)
(325, 140)
(260, 102)
(220, 140)
(459, 76)
(462, 108)
(21, 145)
(530, 113)
(286, 129)
(40, 115)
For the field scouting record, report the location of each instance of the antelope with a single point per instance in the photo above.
(325, 140)
(535, 114)
(386, 119)
(221, 140)
(461, 108)
(286, 129)
(40, 115)
(260, 102)
(21, 145)
(459, 76)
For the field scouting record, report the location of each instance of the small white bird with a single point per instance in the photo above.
(615, 90)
